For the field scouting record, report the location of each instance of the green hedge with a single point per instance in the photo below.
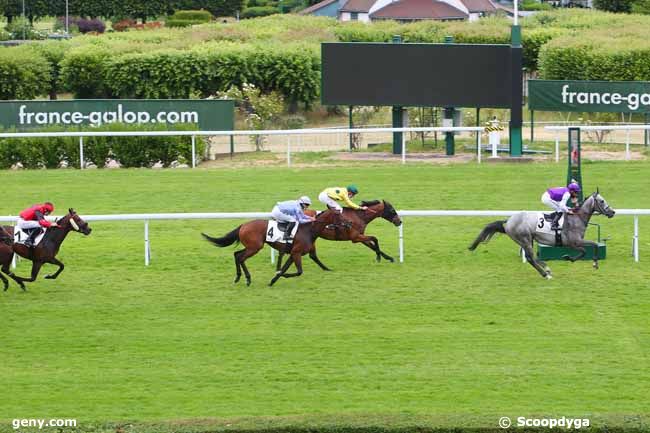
(573, 58)
(259, 11)
(200, 15)
(50, 152)
(173, 22)
(24, 73)
(83, 71)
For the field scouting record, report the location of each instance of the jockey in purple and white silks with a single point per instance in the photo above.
(292, 212)
(556, 199)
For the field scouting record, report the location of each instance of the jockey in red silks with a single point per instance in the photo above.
(33, 219)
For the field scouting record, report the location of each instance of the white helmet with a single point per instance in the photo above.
(304, 200)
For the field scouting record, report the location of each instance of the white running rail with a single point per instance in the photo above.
(287, 132)
(251, 215)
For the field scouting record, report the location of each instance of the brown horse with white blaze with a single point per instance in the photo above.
(44, 252)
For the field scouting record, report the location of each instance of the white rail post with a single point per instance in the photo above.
(627, 144)
(478, 147)
(557, 146)
(288, 151)
(14, 261)
(193, 151)
(147, 252)
(81, 153)
(403, 147)
(523, 255)
(401, 242)
(635, 242)
(272, 255)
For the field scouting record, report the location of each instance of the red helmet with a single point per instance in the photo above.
(48, 207)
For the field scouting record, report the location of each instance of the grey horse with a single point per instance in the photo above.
(522, 228)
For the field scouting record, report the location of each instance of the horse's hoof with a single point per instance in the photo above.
(248, 282)
(549, 277)
(237, 278)
(49, 277)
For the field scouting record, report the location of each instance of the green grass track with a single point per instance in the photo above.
(448, 338)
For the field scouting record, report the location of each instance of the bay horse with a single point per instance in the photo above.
(354, 228)
(252, 235)
(44, 252)
(521, 228)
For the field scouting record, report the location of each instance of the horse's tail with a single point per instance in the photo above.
(487, 233)
(226, 240)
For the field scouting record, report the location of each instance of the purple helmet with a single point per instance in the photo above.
(573, 186)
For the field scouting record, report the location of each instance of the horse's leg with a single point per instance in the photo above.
(278, 265)
(5, 282)
(248, 252)
(383, 254)
(530, 258)
(36, 267)
(297, 259)
(7, 270)
(237, 254)
(314, 257)
(282, 271)
(580, 247)
(61, 266)
(581, 253)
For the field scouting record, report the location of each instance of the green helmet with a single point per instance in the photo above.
(353, 189)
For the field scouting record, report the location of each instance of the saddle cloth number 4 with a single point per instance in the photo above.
(274, 234)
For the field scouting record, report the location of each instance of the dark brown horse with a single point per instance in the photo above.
(44, 252)
(252, 235)
(355, 227)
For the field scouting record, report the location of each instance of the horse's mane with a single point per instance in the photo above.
(370, 203)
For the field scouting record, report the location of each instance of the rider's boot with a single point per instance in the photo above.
(287, 233)
(31, 238)
(555, 224)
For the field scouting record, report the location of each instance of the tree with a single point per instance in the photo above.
(614, 5)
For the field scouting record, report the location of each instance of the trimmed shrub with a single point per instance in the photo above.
(24, 73)
(83, 71)
(50, 152)
(155, 75)
(173, 22)
(53, 52)
(259, 11)
(201, 15)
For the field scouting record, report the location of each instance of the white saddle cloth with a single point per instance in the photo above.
(274, 234)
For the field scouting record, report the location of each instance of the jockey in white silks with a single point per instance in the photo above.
(292, 212)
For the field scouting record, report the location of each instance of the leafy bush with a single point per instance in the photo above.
(154, 75)
(173, 22)
(51, 152)
(4, 35)
(259, 11)
(535, 6)
(201, 15)
(90, 25)
(24, 73)
(20, 28)
(83, 71)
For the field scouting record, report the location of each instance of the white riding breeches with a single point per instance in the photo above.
(329, 202)
(279, 216)
(555, 205)
(26, 224)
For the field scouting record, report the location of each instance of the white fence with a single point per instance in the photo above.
(627, 128)
(288, 132)
(251, 215)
